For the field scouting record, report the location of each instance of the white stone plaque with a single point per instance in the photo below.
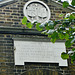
(33, 51)
(36, 10)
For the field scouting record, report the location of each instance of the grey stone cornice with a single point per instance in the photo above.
(21, 31)
(4, 3)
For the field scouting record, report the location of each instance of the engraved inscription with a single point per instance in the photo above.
(32, 51)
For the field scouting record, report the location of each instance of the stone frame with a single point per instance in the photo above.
(37, 1)
(37, 39)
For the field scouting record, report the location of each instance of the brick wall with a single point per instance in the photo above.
(11, 16)
(7, 63)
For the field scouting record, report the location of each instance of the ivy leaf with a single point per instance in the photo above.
(68, 43)
(66, 18)
(38, 28)
(47, 27)
(50, 21)
(72, 16)
(64, 56)
(53, 40)
(42, 25)
(49, 36)
(61, 15)
(50, 31)
(51, 25)
(66, 23)
(61, 36)
(71, 52)
(73, 49)
(67, 15)
(59, 0)
(66, 36)
(73, 21)
(73, 2)
(62, 28)
(55, 35)
(29, 25)
(65, 4)
(44, 32)
(24, 20)
(34, 22)
(73, 40)
(73, 58)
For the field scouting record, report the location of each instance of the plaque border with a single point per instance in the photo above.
(37, 39)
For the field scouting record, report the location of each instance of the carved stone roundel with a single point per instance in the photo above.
(36, 10)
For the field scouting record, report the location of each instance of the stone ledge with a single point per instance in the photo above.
(7, 3)
(17, 30)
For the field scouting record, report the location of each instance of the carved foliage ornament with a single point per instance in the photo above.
(36, 10)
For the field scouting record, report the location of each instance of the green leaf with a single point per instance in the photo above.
(65, 4)
(29, 25)
(24, 20)
(38, 28)
(73, 49)
(66, 36)
(47, 27)
(50, 31)
(73, 2)
(61, 15)
(59, 0)
(66, 18)
(61, 36)
(50, 21)
(62, 28)
(67, 15)
(70, 29)
(42, 25)
(66, 22)
(64, 56)
(72, 16)
(34, 22)
(73, 40)
(55, 35)
(73, 58)
(51, 25)
(53, 40)
(57, 21)
(49, 36)
(71, 52)
(73, 20)
(71, 61)
(68, 43)
(44, 32)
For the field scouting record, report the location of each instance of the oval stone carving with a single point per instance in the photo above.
(37, 10)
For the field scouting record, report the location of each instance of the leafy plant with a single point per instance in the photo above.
(73, 2)
(64, 31)
(65, 4)
(59, 29)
